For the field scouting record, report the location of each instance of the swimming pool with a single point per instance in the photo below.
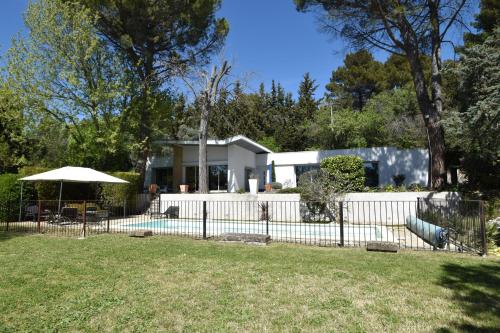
(277, 230)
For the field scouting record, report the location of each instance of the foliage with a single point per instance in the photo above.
(359, 78)
(63, 70)
(345, 171)
(398, 179)
(43, 190)
(118, 194)
(159, 39)
(10, 194)
(478, 111)
(276, 185)
(290, 190)
(14, 149)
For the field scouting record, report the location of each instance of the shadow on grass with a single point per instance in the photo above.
(476, 289)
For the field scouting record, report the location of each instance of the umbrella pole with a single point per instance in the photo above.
(21, 203)
(60, 196)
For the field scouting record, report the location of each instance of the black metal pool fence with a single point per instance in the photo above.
(426, 224)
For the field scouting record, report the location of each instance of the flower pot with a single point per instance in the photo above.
(253, 185)
(269, 187)
(184, 188)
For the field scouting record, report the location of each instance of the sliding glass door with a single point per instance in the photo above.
(217, 177)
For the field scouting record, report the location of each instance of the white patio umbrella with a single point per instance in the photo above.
(70, 175)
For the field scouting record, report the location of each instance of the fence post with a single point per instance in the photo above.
(84, 218)
(107, 221)
(2, 207)
(204, 220)
(341, 221)
(482, 219)
(39, 210)
(267, 218)
(124, 208)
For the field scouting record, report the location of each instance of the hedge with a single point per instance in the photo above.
(117, 194)
(10, 193)
(346, 171)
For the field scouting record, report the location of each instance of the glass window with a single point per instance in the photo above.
(192, 178)
(371, 174)
(301, 169)
(217, 177)
(164, 178)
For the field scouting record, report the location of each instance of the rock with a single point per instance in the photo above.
(258, 239)
(141, 233)
(382, 246)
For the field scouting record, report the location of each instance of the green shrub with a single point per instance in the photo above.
(43, 190)
(290, 190)
(276, 186)
(117, 194)
(346, 171)
(10, 193)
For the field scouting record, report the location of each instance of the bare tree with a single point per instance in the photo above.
(411, 29)
(205, 101)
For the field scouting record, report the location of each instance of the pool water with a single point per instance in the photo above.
(276, 229)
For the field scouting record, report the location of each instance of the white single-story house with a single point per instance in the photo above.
(234, 160)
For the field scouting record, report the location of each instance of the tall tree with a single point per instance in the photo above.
(207, 101)
(359, 78)
(306, 102)
(158, 37)
(62, 69)
(409, 28)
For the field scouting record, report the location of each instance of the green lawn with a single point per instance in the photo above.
(116, 283)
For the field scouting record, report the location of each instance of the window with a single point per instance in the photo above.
(301, 169)
(192, 178)
(164, 178)
(217, 177)
(371, 173)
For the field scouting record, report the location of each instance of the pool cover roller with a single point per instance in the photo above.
(431, 233)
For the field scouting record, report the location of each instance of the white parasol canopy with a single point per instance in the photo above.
(75, 175)
(70, 174)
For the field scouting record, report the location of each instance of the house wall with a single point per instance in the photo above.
(413, 163)
(214, 155)
(238, 159)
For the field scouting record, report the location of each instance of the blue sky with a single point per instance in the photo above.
(268, 40)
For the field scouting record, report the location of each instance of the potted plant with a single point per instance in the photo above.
(184, 188)
(253, 183)
(268, 187)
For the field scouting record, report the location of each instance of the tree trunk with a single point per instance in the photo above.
(144, 134)
(431, 116)
(207, 102)
(202, 152)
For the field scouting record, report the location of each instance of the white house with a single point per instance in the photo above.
(234, 160)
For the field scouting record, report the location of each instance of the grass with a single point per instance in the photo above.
(115, 283)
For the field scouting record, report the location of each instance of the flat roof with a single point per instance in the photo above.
(239, 140)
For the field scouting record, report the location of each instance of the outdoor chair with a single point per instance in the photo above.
(69, 215)
(172, 212)
(97, 219)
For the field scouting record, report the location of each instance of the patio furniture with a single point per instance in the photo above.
(172, 212)
(69, 215)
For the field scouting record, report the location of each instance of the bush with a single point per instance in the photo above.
(117, 194)
(10, 193)
(43, 190)
(290, 190)
(346, 171)
(398, 179)
(276, 186)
